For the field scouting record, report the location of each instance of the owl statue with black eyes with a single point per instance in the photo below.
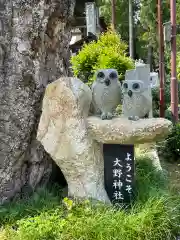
(136, 100)
(136, 89)
(106, 93)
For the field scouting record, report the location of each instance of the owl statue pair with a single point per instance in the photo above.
(108, 93)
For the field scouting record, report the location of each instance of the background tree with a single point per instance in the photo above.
(145, 23)
(121, 15)
(34, 51)
(148, 24)
(122, 19)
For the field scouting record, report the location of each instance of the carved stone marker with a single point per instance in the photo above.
(75, 140)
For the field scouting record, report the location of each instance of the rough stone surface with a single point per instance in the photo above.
(121, 130)
(143, 133)
(74, 140)
(34, 38)
(63, 133)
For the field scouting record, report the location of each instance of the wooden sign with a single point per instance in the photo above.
(119, 172)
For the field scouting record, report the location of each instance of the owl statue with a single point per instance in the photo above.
(106, 93)
(136, 99)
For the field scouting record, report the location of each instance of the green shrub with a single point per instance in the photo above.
(108, 52)
(173, 142)
(170, 148)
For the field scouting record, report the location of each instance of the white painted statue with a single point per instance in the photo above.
(137, 98)
(106, 93)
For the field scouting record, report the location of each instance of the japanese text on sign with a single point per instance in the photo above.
(117, 174)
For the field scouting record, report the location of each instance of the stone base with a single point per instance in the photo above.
(75, 140)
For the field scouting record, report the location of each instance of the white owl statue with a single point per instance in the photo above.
(137, 97)
(106, 93)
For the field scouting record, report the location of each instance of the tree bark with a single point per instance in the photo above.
(34, 39)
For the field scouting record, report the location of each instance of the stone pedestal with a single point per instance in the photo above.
(75, 140)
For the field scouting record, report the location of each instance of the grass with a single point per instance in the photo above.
(42, 200)
(154, 216)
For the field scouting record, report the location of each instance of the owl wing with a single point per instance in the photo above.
(96, 97)
(115, 94)
(111, 98)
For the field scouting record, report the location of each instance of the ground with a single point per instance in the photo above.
(46, 216)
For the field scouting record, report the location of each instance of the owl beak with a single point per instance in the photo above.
(107, 82)
(130, 93)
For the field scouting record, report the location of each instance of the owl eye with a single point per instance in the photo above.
(135, 86)
(113, 75)
(100, 75)
(125, 85)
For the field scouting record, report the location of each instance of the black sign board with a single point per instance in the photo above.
(119, 172)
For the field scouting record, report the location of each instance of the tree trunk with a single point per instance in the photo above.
(34, 38)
